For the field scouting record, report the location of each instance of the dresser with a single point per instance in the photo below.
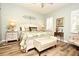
(61, 34)
(11, 35)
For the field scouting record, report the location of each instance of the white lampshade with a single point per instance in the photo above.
(12, 22)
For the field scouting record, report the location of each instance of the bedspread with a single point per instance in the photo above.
(27, 39)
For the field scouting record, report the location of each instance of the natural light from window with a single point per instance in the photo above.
(75, 21)
(49, 24)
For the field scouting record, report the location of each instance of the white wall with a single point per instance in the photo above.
(66, 13)
(17, 13)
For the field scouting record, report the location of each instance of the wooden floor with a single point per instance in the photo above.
(62, 49)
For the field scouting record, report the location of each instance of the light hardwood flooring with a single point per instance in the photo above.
(62, 49)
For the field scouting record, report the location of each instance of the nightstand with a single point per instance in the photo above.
(11, 35)
(61, 34)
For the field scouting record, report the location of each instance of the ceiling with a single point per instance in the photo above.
(48, 7)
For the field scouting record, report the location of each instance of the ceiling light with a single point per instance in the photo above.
(43, 4)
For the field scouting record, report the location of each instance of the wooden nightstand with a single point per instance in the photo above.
(61, 34)
(11, 35)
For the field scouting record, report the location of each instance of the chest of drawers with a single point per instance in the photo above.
(11, 35)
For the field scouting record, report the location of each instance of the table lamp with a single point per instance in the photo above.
(11, 25)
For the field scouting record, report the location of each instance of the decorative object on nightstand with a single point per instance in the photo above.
(41, 27)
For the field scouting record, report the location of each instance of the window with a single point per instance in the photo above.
(49, 24)
(74, 22)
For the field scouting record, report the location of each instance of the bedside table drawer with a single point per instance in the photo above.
(12, 36)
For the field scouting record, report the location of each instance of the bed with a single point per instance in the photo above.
(29, 40)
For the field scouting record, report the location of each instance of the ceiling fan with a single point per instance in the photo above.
(43, 4)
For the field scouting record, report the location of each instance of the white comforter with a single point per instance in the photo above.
(27, 38)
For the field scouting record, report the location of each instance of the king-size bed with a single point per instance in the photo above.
(40, 40)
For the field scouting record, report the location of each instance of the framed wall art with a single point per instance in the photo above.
(59, 22)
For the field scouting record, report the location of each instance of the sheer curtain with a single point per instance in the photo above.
(49, 24)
